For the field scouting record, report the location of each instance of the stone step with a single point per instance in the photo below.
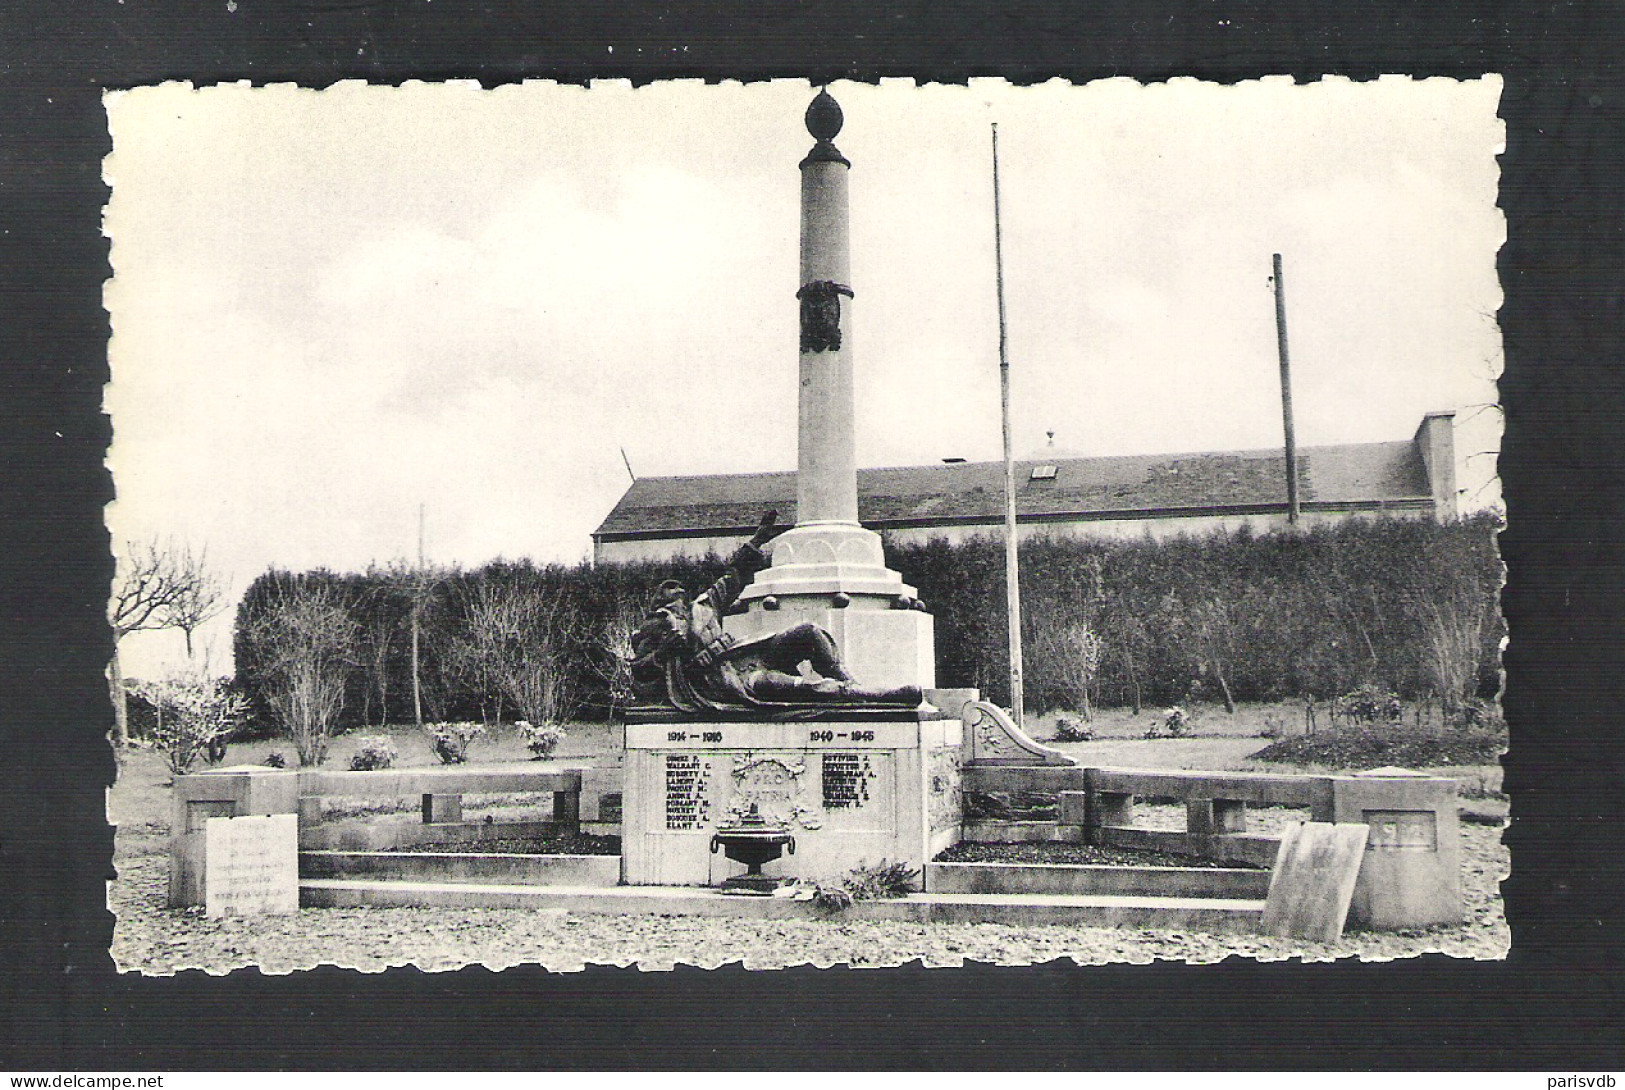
(463, 868)
(1080, 879)
(1211, 914)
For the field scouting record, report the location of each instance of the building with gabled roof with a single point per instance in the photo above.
(1158, 495)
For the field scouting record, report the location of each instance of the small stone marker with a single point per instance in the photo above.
(1313, 880)
(251, 865)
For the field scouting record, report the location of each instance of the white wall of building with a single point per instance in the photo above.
(1151, 529)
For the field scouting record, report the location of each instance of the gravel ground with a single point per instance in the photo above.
(150, 938)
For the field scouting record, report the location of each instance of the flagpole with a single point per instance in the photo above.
(1012, 573)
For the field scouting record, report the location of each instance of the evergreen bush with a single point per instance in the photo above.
(450, 741)
(542, 740)
(373, 753)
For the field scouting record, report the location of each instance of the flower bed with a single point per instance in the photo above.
(582, 844)
(1059, 851)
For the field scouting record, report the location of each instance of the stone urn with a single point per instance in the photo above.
(752, 841)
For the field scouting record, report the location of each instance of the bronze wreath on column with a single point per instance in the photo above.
(821, 315)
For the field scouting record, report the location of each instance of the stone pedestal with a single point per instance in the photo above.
(1411, 876)
(233, 791)
(851, 792)
(834, 576)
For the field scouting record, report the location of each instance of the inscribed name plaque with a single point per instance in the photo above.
(251, 865)
(1313, 880)
(688, 803)
(846, 780)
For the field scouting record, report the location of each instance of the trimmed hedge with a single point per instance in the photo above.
(1257, 617)
(1268, 616)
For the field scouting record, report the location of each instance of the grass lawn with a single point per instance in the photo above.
(1218, 741)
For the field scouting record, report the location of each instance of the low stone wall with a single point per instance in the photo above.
(1410, 876)
(247, 790)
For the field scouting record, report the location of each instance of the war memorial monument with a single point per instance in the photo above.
(854, 763)
(788, 728)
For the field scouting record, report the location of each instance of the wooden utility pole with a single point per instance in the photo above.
(1012, 572)
(1286, 398)
(418, 592)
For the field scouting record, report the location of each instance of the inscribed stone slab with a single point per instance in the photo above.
(1313, 880)
(251, 865)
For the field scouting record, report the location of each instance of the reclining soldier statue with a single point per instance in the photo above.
(681, 656)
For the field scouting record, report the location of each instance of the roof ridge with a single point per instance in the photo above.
(1383, 472)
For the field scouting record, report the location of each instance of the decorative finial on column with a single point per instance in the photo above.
(824, 120)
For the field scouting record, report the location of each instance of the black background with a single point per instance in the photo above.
(1554, 1005)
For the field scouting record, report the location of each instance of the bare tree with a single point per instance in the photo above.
(157, 586)
(1214, 622)
(389, 606)
(611, 649)
(1131, 640)
(303, 637)
(1068, 658)
(467, 652)
(1063, 634)
(198, 597)
(520, 637)
(1207, 630)
(1454, 631)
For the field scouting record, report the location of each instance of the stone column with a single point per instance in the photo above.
(828, 569)
(827, 472)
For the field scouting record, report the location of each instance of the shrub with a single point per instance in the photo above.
(451, 740)
(1369, 704)
(1068, 729)
(832, 898)
(542, 740)
(884, 881)
(194, 715)
(276, 759)
(373, 753)
(1176, 721)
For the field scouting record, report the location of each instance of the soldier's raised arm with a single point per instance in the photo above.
(746, 561)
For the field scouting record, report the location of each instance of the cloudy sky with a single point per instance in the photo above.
(332, 307)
